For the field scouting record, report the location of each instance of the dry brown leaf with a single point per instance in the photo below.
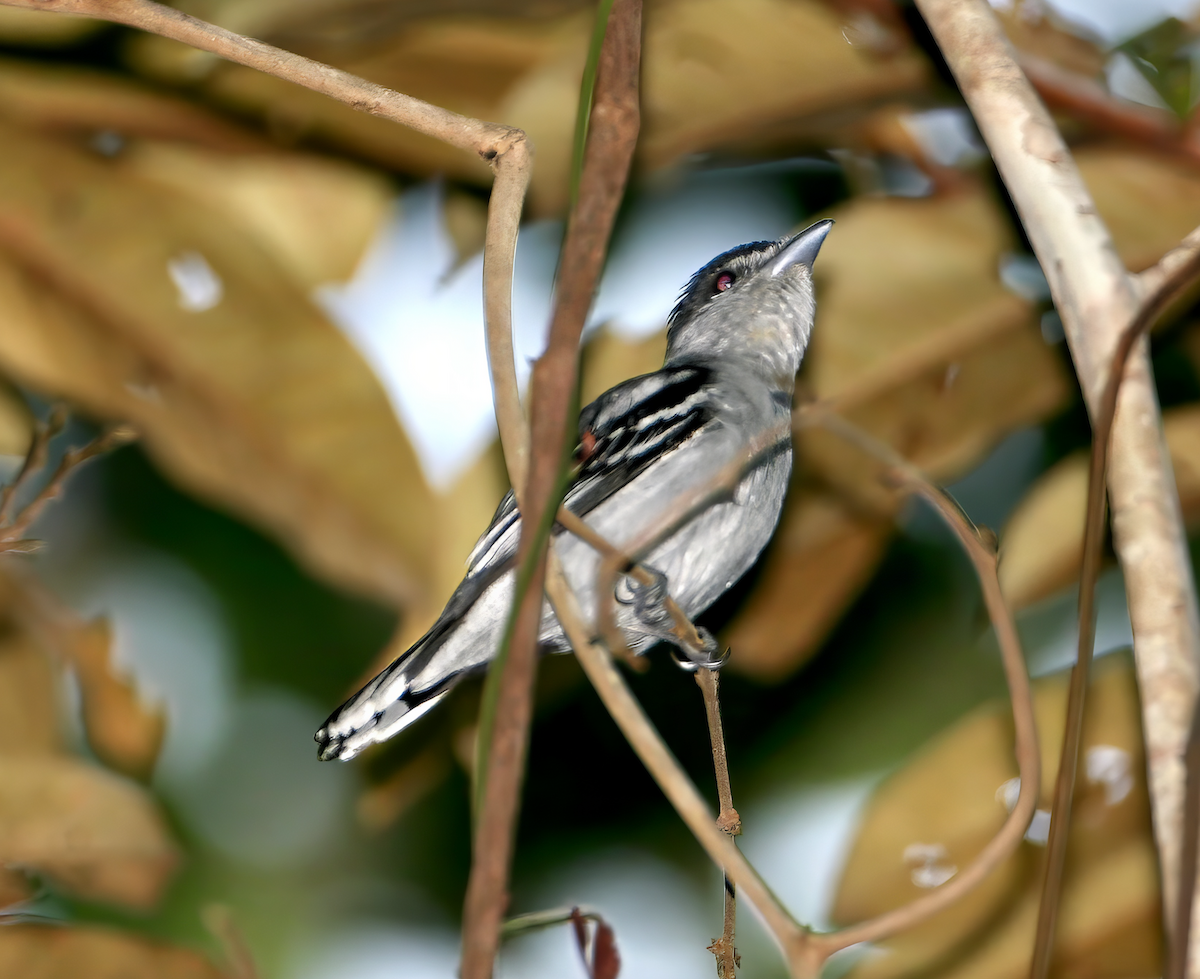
(316, 216)
(47, 952)
(819, 560)
(608, 359)
(1041, 548)
(257, 403)
(710, 80)
(123, 732)
(16, 423)
(933, 816)
(37, 28)
(1033, 30)
(80, 102)
(29, 686)
(1148, 200)
(919, 343)
(14, 888)
(93, 833)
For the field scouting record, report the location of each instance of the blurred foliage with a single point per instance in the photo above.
(165, 220)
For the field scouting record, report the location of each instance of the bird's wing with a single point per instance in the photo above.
(621, 434)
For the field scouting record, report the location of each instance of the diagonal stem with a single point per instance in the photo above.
(608, 153)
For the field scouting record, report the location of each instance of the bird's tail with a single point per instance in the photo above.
(380, 710)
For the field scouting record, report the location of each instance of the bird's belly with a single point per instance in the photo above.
(701, 559)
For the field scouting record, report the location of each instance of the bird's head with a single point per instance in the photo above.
(752, 305)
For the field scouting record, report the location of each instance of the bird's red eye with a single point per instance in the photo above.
(724, 281)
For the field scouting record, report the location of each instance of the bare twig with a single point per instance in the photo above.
(1097, 299)
(728, 820)
(671, 778)
(14, 526)
(611, 138)
(35, 459)
(983, 557)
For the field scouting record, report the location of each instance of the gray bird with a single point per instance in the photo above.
(734, 343)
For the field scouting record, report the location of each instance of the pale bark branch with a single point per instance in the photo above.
(1097, 299)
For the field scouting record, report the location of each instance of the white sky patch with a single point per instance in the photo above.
(662, 921)
(380, 952)
(1115, 21)
(799, 841)
(418, 320)
(671, 234)
(1127, 82)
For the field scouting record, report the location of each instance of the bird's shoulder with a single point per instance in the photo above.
(620, 434)
(634, 424)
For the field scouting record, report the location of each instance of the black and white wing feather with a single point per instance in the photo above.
(621, 434)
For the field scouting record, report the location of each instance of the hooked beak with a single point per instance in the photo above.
(802, 250)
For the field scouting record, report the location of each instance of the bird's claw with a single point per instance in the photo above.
(708, 656)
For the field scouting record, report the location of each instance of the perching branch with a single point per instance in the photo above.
(1161, 285)
(1097, 299)
(612, 134)
(728, 820)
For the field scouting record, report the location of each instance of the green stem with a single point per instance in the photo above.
(586, 89)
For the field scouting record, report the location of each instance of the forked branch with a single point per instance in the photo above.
(14, 524)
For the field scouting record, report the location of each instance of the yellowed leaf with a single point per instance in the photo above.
(819, 560)
(1149, 201)
(80, 102)
(709, 80)
(929, 820)
(316, 216)
(919, 343)
(93, 833)
(242, 389)
(47, 952)
(1041, 548)
(28, 696)
(608, 359)
(124, 733)
(38, 28)
(1033, 30)
(16, 424)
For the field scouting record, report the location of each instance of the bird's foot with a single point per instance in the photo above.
(648, 599)
(707, 656)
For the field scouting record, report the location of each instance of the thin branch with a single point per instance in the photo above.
(609, 151)
(13, 527)
(35, 459)
(506, 150)
(487, 139)
(672, 779)
(728, 820)
(1097, 300)
(983, 557)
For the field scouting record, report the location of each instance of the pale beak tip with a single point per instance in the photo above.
(803, 249)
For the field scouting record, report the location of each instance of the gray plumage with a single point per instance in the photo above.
(734, 343)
